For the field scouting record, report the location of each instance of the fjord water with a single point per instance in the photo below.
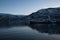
(25, 33)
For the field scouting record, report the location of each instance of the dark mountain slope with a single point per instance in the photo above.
(50, 15)
(8, 19)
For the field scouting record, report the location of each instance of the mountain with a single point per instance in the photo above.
(8, 19)
(51, 15)
(48, 14)
(45, 15)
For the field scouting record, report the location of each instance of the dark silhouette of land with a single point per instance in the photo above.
(44, 20)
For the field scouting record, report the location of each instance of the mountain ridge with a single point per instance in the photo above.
(40, 15)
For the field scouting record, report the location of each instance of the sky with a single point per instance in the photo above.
(26, 7)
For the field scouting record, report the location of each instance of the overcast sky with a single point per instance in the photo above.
(26, 7)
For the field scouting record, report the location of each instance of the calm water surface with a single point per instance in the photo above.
(25, 33)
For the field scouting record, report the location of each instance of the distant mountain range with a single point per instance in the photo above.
(42, 15)
(51, 14)
(8, 19)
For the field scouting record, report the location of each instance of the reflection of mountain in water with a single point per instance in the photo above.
(47, 28)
